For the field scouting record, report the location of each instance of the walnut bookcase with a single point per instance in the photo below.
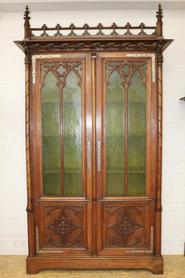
(93, 145)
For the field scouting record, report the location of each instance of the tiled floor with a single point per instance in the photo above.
(14, 267)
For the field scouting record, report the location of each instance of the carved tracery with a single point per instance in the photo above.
(61, 71)
(126, 71)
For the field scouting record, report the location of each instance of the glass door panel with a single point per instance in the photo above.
(61, 121)
(50, 110)
(125, 128)
(114, 127)
(137, 132)
(72, 136)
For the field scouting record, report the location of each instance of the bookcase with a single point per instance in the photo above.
(93, 145)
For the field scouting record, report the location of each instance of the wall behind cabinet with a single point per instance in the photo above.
(13, 233)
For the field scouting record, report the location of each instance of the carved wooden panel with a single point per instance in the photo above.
(63, 227)
(114, 45)
(125, 226)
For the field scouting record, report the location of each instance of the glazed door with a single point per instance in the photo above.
(93, 153)
(125, 148)
(62, 152)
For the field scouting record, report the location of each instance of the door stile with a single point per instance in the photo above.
(99, 151)
(84, 131)
(99, 126)
(89, 148)
(149, 155)
(94, 168)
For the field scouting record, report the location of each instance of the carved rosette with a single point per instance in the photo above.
(125, 227)
(63, 227)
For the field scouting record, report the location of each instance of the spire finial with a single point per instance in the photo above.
(159, 25)
(27, 30)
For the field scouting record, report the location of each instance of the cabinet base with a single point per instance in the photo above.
(151, 263)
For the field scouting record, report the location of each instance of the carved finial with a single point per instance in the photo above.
(86, 32)
(159, 25)
(142, 26)
(128, 26)
(27, 30)
(114, 32)
(72, 28)
(100, 27)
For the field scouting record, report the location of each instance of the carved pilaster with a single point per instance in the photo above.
(159, 84)
(27, 117)
(159, 100)
(29, 207)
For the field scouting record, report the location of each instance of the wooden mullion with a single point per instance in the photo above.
(126, 142)
(84, 135)
(61, 140)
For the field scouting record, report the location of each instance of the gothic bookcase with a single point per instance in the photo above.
(93, 145)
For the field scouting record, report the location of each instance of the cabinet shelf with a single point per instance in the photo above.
(137, 173)
(130, 103)
(58, 102)
(50, 102)
(57, 135)
(130, 172)
(57, 171)
(132, 135)
(50, 135)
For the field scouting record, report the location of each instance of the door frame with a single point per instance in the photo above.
(40, 201)
(151, 161)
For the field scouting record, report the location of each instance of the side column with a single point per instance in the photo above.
(159, 154)
(31, 248)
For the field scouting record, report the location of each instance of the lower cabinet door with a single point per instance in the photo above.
(64, 228)
(125, 228)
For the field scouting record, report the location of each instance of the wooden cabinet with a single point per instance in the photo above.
(93, 137)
